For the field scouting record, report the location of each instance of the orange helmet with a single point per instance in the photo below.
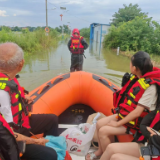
(75, 31)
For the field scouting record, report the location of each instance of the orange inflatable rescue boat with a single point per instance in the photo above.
(74, 96)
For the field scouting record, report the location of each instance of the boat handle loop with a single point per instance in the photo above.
(42, 89)
(57, 80)
(105, 81)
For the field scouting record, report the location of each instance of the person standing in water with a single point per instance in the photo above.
(76, 46)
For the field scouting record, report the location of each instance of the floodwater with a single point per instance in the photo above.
(43, 66)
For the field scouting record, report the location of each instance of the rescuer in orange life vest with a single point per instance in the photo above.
(15, 106)
(77, 45)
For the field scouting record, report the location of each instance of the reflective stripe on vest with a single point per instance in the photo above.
(131, 100)
(126, 100)
(131, 122)
(16, 95)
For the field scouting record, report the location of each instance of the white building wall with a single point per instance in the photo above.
(97, 32)
(105, 30)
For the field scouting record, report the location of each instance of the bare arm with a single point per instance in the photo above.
(132, 115)
(20, 137)
(28, 140)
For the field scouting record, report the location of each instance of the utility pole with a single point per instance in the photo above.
(46, 15)
(62, 8)
(62, 26)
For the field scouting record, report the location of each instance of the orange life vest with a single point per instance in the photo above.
(76, 45)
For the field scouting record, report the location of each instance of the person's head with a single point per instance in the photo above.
(75, 33)
(11, 58)
(141, 63)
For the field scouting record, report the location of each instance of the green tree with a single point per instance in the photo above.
(25, 31)
(66, 29)
(85, 32)
(5, 28)
(59, 29)
(139, 34)
(17, 29)
(127, 13)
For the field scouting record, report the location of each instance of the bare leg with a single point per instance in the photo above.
(130, 149)
(102, 122)
(120, 156)
(106, 135)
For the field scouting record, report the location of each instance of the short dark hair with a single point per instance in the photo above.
(142, 61)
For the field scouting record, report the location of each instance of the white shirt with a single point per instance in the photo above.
(5, 106)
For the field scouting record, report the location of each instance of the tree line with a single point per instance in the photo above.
(133, 30)
(66, 30)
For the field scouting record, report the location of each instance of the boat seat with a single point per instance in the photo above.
(125, 138)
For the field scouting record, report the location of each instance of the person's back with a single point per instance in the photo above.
(76, 46)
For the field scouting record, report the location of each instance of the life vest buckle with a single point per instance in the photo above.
(15, 126)
(116, 110)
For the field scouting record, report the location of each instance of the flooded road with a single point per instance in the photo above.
(42, 66)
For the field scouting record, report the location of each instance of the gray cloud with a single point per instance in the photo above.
(81, 12)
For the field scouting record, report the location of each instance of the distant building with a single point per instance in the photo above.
(98, 31)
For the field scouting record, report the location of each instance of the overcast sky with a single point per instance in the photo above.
(81, 13)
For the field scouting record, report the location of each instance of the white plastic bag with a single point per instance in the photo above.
(79, 138)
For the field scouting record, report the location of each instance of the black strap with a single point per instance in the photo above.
(84, 55)
(16, 126)
(112, 110)
(15, 104)
(24, 105)
(26, 92)
(17, 113)
(130, 98)
(127, 130)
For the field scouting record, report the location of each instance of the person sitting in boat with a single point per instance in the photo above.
(15, 105)
(137, 97)
(76, 46)
(149, 128)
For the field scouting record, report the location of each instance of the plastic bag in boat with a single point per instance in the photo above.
(79, 138)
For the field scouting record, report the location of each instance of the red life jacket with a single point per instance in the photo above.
(76, 45)
(126, 99)
(18, 106)
(5, 124)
